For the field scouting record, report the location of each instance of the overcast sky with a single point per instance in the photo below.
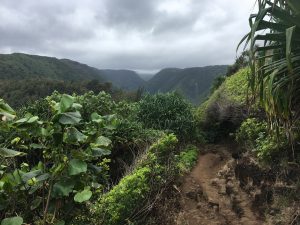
(130, 34)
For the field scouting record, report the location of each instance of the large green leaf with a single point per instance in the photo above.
(8, 153)
(30, 175)
(63, 188)
(6, 111)
(289, 34)
(73, 136)
(70, 118)
(28, 119)
(98, 152)
(17, 220)
(83, 196)
(96, 118)
(77, 166)
(66, 102)
(102, 141)
(36, 203)
(295, 6)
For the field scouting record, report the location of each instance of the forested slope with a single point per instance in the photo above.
(24, 66)
(193, 83)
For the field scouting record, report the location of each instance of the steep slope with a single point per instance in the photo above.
(194, 83)
(24, 66)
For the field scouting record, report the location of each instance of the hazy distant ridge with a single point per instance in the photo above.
(194, 83)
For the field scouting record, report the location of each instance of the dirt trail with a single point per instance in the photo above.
(210, 194)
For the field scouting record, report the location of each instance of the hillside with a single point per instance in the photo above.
(24, 66)
(194, 83)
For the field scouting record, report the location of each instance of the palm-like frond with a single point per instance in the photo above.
(276, 64)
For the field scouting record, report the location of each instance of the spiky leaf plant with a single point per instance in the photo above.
(275, 62)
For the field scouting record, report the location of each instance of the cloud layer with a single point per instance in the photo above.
(132, 34)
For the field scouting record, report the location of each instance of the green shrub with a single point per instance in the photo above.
(62, 160)
(168, 112)
(100, 103)
(254, 134)
(124, 202)
(187, 158)
(250, 130)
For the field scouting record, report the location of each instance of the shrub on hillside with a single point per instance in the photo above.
(130, 197)
(187, 158)
(61, 161)
(135, 195)
(169, 112)
(255, 135)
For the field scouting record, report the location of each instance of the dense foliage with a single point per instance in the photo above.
(25, 92)
(187, 158)
(51, 165)
(133, 197)
(128, 200)
(169, 112)
(276, 65)
(255, 136)
(60, 154)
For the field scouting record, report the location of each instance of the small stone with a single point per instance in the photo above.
(229, 188)
(199, 206)
(216, 208)
(212, 203)
(215, 182)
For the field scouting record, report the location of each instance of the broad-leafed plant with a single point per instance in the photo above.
(49, 166)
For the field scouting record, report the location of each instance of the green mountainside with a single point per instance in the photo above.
(194, 83)
(23, 66)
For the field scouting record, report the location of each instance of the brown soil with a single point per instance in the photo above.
(211, 195)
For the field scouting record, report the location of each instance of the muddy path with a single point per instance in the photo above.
(211, 195)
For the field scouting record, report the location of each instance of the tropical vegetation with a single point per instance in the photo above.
(80, 155)
(276, 65)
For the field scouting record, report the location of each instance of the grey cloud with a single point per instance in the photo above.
(131, 13)
(135, 34)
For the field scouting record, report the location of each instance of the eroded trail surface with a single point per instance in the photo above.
(211, 195)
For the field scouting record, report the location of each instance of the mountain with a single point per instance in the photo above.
(194, 83)
(24, 66)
